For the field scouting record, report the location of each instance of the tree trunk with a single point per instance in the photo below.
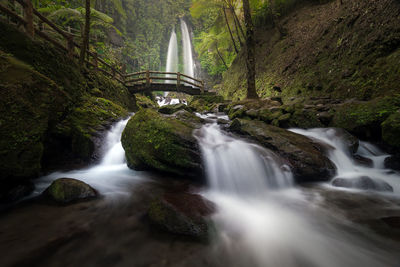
(237, 28)
(220, 56)
(250, 49)
(237, 20)
(85, 37)
(28, 16)
(230, 32)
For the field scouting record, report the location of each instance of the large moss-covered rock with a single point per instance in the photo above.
(364, 118)
(170, 109)
(205, 103)
(305, 157)
(391, 130)
(184, 214)
(67, 190)
(163, 143)
(29, 101)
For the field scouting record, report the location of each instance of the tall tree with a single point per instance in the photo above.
(85, 39)
(250, 50)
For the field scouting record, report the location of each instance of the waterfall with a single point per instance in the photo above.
(234, 166)
(347, 167)
(110, 177)
(188, 64)
(172, 57)
(262, 220)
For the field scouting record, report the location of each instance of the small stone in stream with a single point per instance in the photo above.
(222, 107)
(67, 190)
(183, 214)
(393, 162)
(363, 161)
(222, 121)
(364, 183)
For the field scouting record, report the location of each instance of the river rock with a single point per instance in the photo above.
(170, 109)
(183, 213)
(67, 190)
(305, 157)
(363, 161)
(364, 183)
(163, 143)
(393, 162)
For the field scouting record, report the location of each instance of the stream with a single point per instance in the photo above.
(262, 218)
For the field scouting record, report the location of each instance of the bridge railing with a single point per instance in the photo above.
(148, 77)
(27, 20)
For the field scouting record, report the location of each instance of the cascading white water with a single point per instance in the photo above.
(188, 64)
(235, 166)
(346, 166)
(110, 177)
(172, 56)
(262, 220)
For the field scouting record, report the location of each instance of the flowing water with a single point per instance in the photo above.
(111, 177)
(172, 56)
(263, 220)
(346, 166)
(188, 65)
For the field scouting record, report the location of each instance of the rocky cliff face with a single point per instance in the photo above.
(51, 113)
(342, 51)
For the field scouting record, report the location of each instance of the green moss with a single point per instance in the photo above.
(365, 118)
(145, 102)
(163, 143)
(29, 101)
(391, 130)
(205, 103)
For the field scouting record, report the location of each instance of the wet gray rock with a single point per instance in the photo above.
(183, 214)
(305, 157)
(363, 183)
(67, 190)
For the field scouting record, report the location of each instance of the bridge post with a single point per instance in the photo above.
(178, 81)
(202, 87)
(95, 61)
(147, 78)
(70, 46)
(28, 15)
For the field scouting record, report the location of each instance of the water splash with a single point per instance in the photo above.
(346, 166)
(188, 65)
(235, 166)
(262, 220)
(111, 177)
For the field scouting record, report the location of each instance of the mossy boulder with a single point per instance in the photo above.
(305, 157)
(29, 103)
(364, 118)
(163, 143)
(391, 130)
(170, 109)
(143, 101)
(68, 190)
(183, 214)
(205, 103)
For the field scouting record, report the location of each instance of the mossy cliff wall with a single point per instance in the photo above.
(341, 51)
(51, 112)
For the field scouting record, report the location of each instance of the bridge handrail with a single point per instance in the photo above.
(28, 22)
(195, 82)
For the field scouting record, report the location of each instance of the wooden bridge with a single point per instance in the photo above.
(163, 81)
(36, 24)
